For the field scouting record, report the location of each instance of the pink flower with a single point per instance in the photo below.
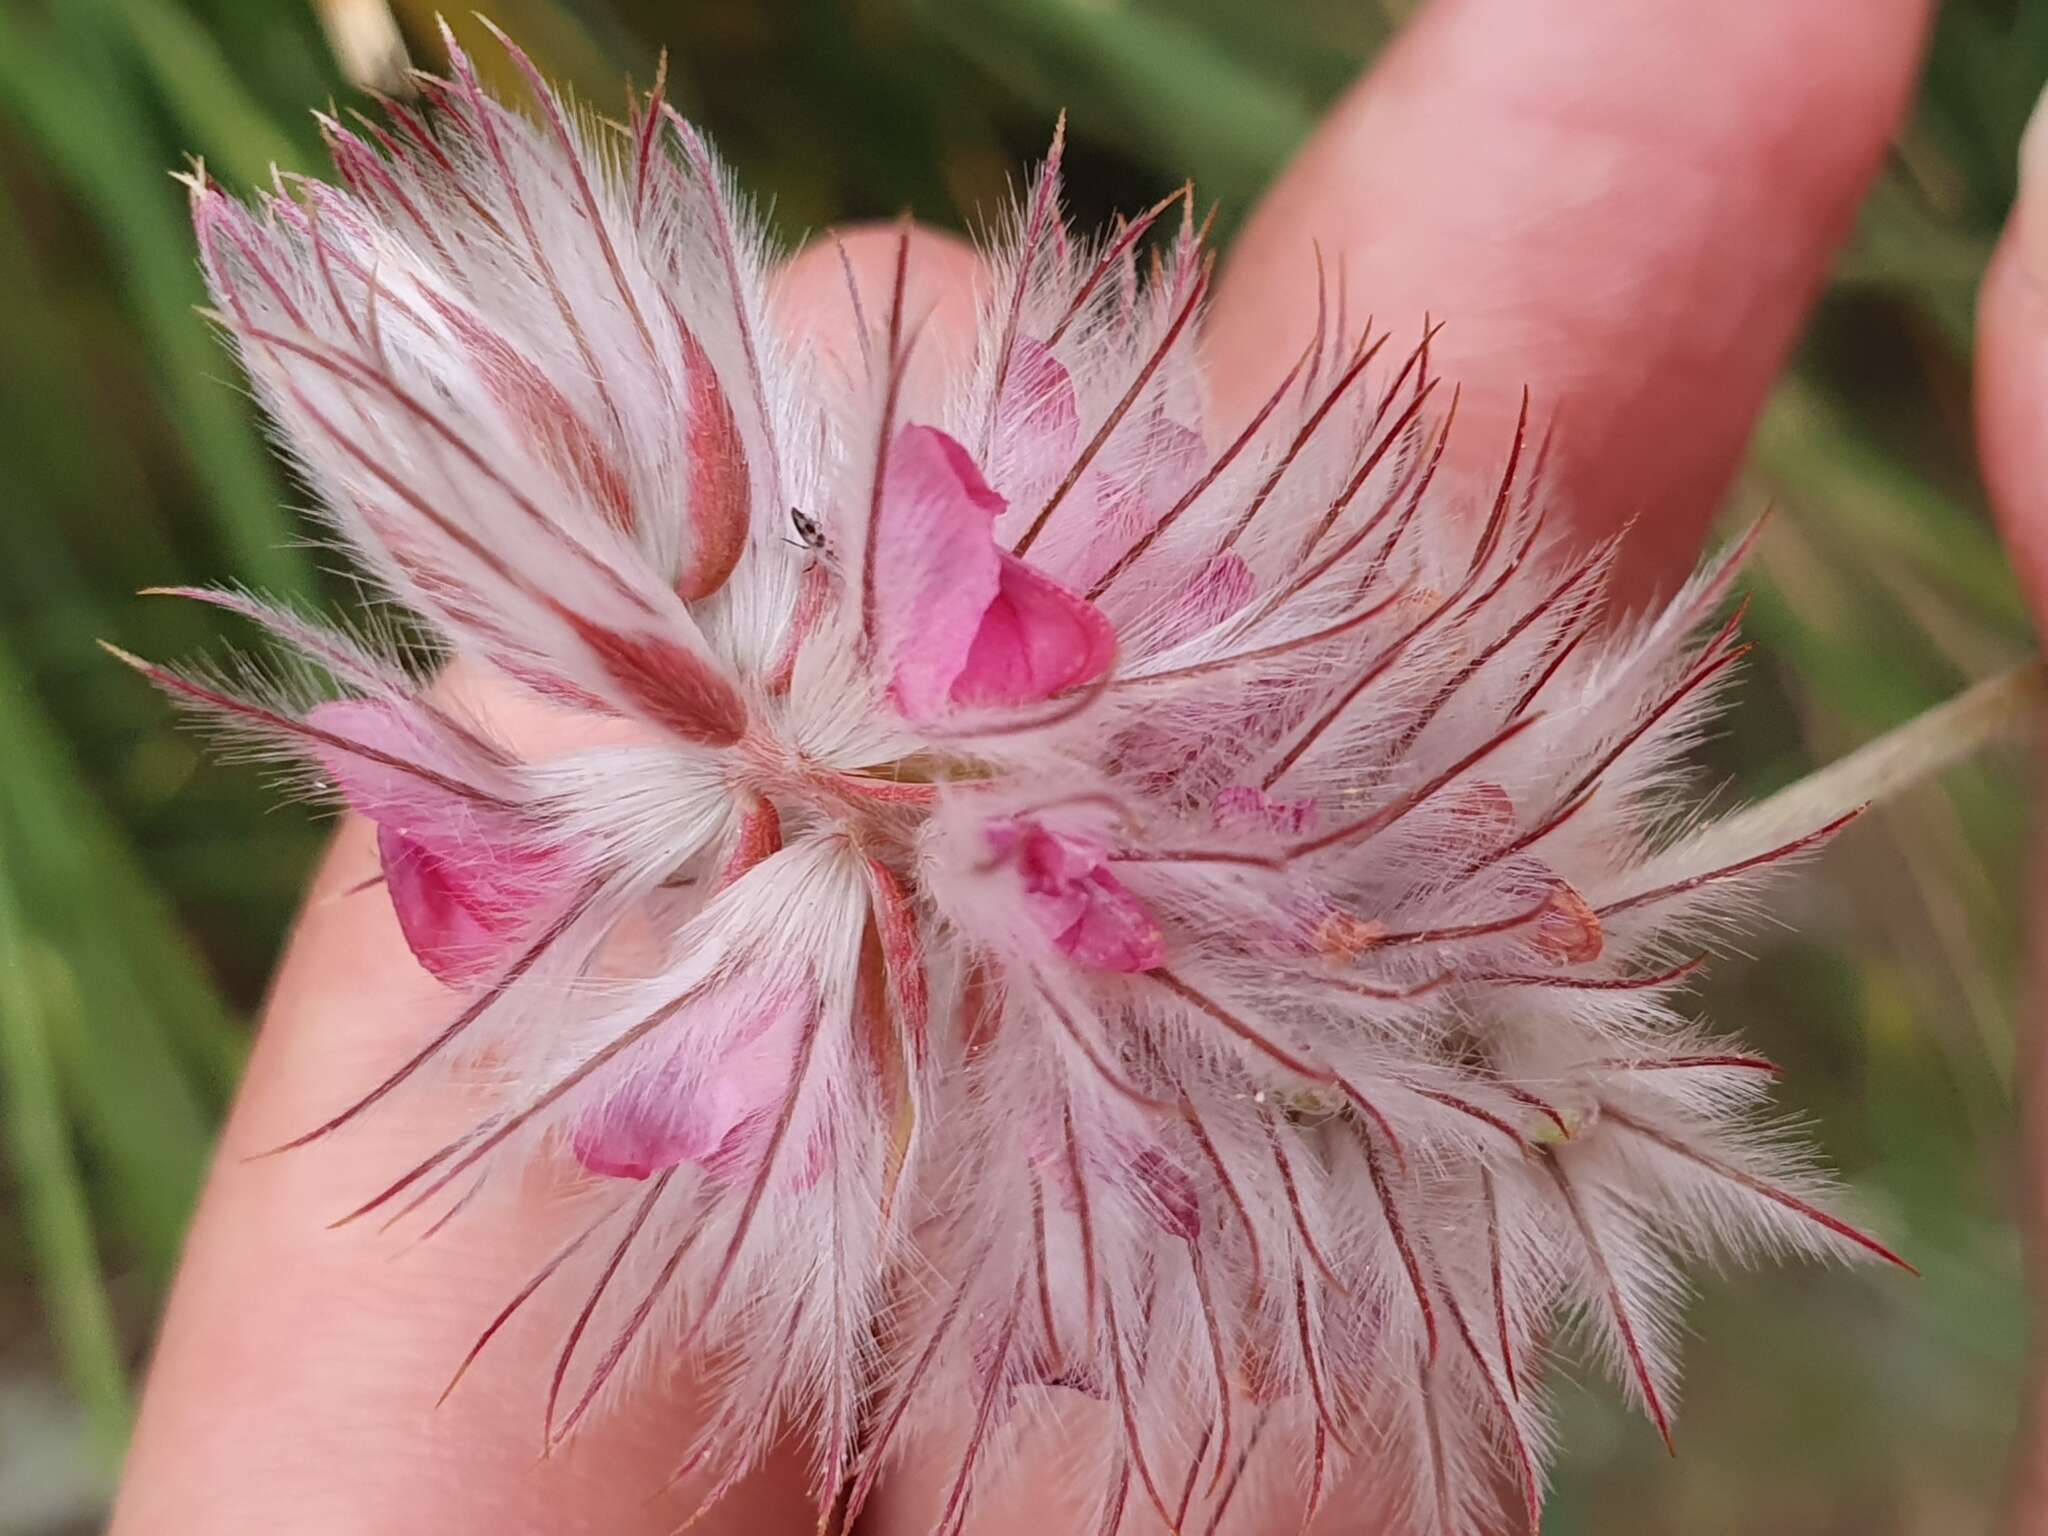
(1210, 916)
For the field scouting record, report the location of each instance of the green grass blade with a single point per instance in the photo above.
(1807, 447)
(1164, 86)
(204, 93)
(35, 993)
(93, 137)
(146, 1010)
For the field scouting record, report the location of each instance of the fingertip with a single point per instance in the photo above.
(844, 278)
(2012, 390)
(1628, 205)
(2012, 448)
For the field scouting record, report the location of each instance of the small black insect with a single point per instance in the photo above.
(807, 530)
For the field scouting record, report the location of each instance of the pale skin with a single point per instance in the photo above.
(1629, 205)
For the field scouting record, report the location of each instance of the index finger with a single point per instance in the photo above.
(1628, 206)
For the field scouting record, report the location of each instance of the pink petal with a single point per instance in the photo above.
(1089, 914)
(1125, 509)
(936, 566)
(661, 1119)
(960, 620)
(459, 919)
(1178, 455)
(1174, 456)
(464, 880)
(466, 899)
(377, 790)
(1036, 639)
(1038, 402)
(651, 1126)
(1115, 932)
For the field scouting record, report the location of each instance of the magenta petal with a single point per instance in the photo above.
(1114, 932)
(1089, 914)
(1166, 1185)
(447, 933)
(1178, 454)
(1126, 507)
(1217, 592)
(960, 620)
(464, 902)
(652, 1127)
(461, 877)
(1039, 400)
(1242, 805)
(936, 566)
(1036, 639)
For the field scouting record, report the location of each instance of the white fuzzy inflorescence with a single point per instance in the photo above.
(1059, 907)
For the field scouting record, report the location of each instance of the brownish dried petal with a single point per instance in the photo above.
(718, 479)
(1570, 930)
(672, 687)
(1344, 936)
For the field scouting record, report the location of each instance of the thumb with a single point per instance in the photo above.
(2012, 443)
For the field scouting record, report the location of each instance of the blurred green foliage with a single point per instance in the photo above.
(143, 892)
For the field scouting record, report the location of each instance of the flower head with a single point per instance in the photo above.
(1181, 920)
